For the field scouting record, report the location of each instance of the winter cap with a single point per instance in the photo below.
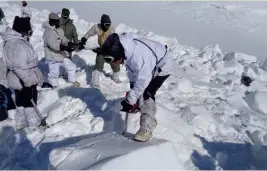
(22, 25)
(113, 47)
(24, 3)
(53, 16)
(65, 12)
(105, 19)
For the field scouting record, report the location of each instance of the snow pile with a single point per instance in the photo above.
(98, 148)
(256, 101)
(204, 113)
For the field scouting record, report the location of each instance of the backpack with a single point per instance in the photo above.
(6, 102)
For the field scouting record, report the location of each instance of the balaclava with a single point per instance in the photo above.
(24, 3)
(105, 22)
(113, 47)
(65, 13)
(23, 26)
(54, 20)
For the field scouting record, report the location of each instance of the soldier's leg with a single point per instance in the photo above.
(20, 117)
(53, 72)
(116, 72)
(99, 66)
(33, 118)
(148, 109)
(70, 68)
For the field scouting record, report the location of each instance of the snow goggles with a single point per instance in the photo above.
(108, 59)
(65, 17)
(107, 25)
(29, 33)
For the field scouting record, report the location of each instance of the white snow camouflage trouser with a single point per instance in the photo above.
(27, 117)
(148, 114)
(96, 77)
(54, 70)
(147, 104)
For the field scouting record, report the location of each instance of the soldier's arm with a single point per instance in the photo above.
(75, 35)
(91, 32)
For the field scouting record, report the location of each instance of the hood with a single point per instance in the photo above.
(10, 34)
(47, 25)
(128, 44)
(65, 21)
(3, 28)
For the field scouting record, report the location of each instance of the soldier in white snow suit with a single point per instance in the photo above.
(3, 72)
(148, 65)
(56, 47)
(23, 75)
(25, 10)
(103, 30)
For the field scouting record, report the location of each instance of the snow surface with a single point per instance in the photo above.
(206, 118)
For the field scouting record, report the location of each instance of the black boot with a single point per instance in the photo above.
(47, 85)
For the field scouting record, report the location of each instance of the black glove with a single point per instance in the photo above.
(82, 43)
(47, 85)
(127, 107)
(62, 47)
(97, 50)
(71, 46)
(81, 47)
(67, 48)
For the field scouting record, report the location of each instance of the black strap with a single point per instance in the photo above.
(158, 61)
(129, 68)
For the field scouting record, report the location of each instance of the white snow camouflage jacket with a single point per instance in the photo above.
(21, 59)
(26, 12)
(3, 70)
(52, 39)
(140, 63)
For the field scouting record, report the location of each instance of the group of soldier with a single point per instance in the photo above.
(148, 64)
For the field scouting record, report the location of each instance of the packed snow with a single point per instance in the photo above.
(207, 119)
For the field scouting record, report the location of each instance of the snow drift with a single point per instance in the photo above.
(113, 151)
(205, 114)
